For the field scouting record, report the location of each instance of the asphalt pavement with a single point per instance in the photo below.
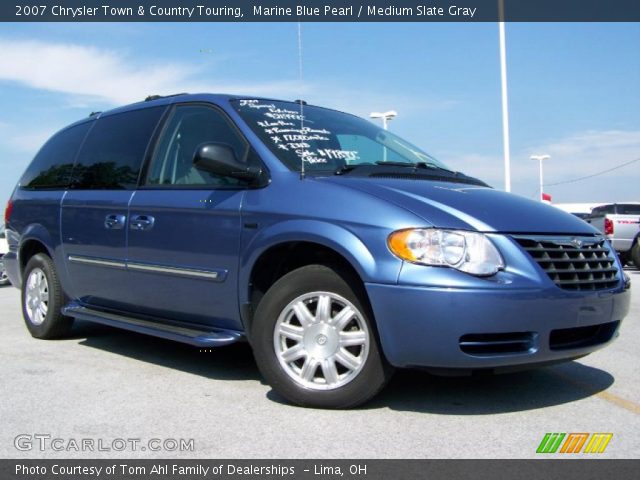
(100, 389)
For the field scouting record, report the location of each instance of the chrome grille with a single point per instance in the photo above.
(574, 263)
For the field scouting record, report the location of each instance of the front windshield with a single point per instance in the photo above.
(325, 140)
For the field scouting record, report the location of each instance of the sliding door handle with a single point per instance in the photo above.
(141, 222)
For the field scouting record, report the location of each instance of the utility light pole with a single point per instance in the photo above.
(540, 159)
(386, 117)
(505, 106)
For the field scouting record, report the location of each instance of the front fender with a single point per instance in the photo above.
(370, 266)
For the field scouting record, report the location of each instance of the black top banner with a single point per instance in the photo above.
(320, 11)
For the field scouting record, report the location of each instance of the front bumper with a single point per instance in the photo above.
(430, 326)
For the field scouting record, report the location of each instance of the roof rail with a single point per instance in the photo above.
(156, 97)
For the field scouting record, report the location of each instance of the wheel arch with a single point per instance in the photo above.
(35, 239)
(290, 245)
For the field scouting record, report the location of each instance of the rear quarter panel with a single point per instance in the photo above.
(36, 217)
(625, 229)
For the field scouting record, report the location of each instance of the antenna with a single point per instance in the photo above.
(300, 80)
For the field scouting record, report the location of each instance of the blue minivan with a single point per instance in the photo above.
(336, 248)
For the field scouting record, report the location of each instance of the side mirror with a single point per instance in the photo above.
(220, 159)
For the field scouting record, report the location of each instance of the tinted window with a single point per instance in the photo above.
(189, 127)
(628, 209)
(113, 152)
(51, 168)
(598, 211)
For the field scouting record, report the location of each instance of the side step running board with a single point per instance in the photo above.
(193, 335)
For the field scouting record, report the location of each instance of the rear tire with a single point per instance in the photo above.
(625, 258)
(43, 299)
(315, 342)
(635, 254)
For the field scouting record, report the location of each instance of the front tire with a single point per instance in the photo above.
(42, 299)
(314, 340)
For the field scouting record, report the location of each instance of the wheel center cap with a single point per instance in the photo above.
(321, 341)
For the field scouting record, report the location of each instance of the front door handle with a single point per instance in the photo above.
(114, 221)
(142, 222)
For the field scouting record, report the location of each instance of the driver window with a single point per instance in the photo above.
(189, 127)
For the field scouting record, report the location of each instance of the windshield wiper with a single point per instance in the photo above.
(436, 167)
(346, 169)
(417, 165)
(382, 163)
(349, 168)
(395, 164)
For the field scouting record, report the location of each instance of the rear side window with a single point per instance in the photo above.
(628, 209)
(605, 209)
(114, 150)
(51, 168)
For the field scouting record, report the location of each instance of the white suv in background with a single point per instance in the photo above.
(3, 249)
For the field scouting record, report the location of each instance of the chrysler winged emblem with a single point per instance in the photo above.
(576, 242)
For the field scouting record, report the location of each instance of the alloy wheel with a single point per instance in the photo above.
(321, 340)
(36, 300)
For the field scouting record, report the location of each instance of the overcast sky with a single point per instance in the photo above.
(574, 89)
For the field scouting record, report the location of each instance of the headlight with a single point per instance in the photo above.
(469, 252)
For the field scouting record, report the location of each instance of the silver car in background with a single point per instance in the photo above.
(620, 222)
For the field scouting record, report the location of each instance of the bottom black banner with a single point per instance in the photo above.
(576, 468)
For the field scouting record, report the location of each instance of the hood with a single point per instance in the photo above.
(469, 207)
